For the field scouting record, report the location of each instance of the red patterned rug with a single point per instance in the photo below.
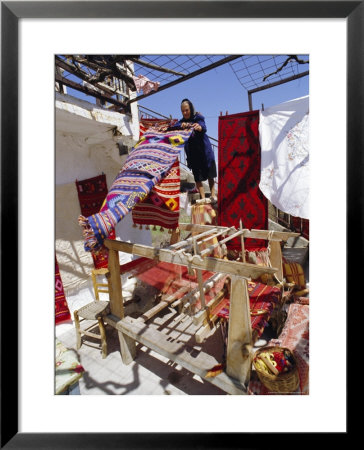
(91, 195)
(62, 312)
(161, 207)
(239, 176)
(262, 298)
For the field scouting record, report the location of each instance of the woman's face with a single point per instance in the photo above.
(185, 109)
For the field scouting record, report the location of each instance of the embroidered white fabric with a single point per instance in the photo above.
(284, 142)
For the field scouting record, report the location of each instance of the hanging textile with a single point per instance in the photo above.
(283, 131)
(62, 312)
(91, 195)
(148, 162)
(161, 207)
(145, 84)
(145, 124)
(239, 174)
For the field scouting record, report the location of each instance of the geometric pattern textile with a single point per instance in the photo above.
(91, 195)
(239, 175)
(62, 312)
(161, 207)
(146, 165)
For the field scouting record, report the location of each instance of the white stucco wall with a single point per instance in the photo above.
(86, 146)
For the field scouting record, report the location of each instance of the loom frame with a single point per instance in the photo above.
(240, 340)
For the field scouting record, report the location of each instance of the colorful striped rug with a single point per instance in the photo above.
(147, 164)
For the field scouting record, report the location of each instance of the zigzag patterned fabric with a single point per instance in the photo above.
(147, 164)
(161, 207)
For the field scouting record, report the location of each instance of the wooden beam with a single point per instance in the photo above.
(176, 351)
(242, 242)
(189, 241)
(212, 247)
(206, 329)
(167, 300)
(194, 262)
(238, 361)
(88, 91)
(202, 316)
(275, 258)
(84, 76)
(253, 234)
(114, 281)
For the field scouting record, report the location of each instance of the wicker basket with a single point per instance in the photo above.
(282, 383)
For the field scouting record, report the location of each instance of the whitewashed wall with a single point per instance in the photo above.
(86, 146)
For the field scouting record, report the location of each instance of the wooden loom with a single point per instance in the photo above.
(240, 340)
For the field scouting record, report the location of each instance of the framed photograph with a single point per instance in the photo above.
(31, 34)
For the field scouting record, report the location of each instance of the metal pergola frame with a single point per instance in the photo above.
(270, 85)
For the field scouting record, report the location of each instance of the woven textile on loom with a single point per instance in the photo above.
(263, 300)
(171, 279)
(62, 312)
(91, 195)
(239, 176)
(147, 164)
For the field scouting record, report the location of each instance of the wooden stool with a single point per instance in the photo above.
(92, 311)
(97, 285)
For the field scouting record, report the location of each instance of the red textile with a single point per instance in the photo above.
(170, 278)
(91, 195)
(144, 124)
(161, 207)
(62, 312)
(239, 176)
(261, 297)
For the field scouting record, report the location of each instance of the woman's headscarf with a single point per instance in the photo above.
(192, 108)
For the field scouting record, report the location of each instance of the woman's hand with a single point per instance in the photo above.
(197, 127)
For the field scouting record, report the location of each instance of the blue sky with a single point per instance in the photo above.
(215, 91)
(219, 90)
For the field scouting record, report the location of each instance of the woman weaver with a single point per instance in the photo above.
(199, 152)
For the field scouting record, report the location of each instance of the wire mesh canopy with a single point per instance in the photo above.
(119, 80)
(256, 71)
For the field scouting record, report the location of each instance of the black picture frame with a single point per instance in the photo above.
(11, 12)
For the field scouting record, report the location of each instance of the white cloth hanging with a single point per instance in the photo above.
(284, 142)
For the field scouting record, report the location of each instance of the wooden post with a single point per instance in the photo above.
(276, 258)
(127, 348)
(239, 347)
(242, 242)
(199, 277)
(116, 296)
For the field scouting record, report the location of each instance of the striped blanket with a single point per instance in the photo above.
(147, 164)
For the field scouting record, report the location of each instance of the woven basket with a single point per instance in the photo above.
(282, 383)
